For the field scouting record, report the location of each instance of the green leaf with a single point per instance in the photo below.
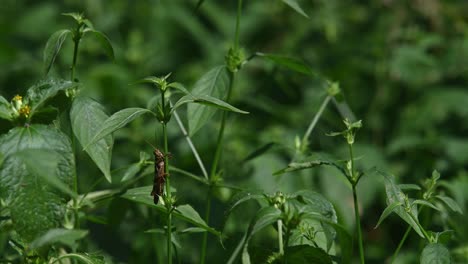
(295, 166)
(214, 83)
(183, 212)
(45, 167)
(5, 110)
(426, 203)
(81, 257)
(104, 40)
(117, 121)
(345, 239)
(178, 86)
(63, 236)
(315, 202)
(263, 218)
(207, 100)
(87, 116)
(35, 205)
(435, 254)
(294, 5)
(306, 254)
(388, 210)
(52, 48)
(450, 203)
(394, 194)
(414, 187)
(242, 197)
(290, 63)
(259, 151)
(40, 93)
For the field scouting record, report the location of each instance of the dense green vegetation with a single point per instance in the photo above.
(284, 131)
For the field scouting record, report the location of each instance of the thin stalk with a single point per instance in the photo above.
(280, 237)
(207, 217)
(190, 143)
(168, 198)
(239, 11)
(356, 206)
(219, 141)
(75, 57)
(402, 241)
(316, 118)
(358, 225)
(420, 227)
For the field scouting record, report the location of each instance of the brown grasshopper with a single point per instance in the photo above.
(159, 174)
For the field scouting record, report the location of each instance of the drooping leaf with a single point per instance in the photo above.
(290, 63)
(345, 239)
(214, 83)
(294, 5)
(259, 151)
(81, 258)
(208, 101)
(414, 187)
(394, 194)
(450, 203)
(40, 93)
(117, 121)
(387, 211)
(36, 205)
(103, 40)
(179, 87)
(52, 48)
(87, 117)
(242, 197)
(294, 166)
(183, 212)
(5, 111)
(315, 202)
(426, 203)
(45, 167)
(305, 254)
(59, 235)
(263, 218)
(435, 253)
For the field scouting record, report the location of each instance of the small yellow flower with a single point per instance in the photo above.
(17, 98)
(25, 110)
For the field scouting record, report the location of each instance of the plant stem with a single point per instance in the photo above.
(280, 237)
(402, 241)
(354, 182)
(239, 10)
(207, 217)
(316, 118)
(219, 141)
(168, 198)
(75, 57)
(190, 143)
(420, 227)
(358, 225)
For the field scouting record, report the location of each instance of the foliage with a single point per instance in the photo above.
(241, 102)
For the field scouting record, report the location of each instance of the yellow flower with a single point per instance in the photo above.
(25, 110)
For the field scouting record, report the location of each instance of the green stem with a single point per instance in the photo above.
(316, 118)
(219, 141)
(402, 241)
(75, 57)
(168, 198)
(358, 225)
(420, 227)
(354, 182)
(239, 10)
(280, 237)
(207, 217)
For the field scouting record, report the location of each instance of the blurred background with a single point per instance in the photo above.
(402, 66)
